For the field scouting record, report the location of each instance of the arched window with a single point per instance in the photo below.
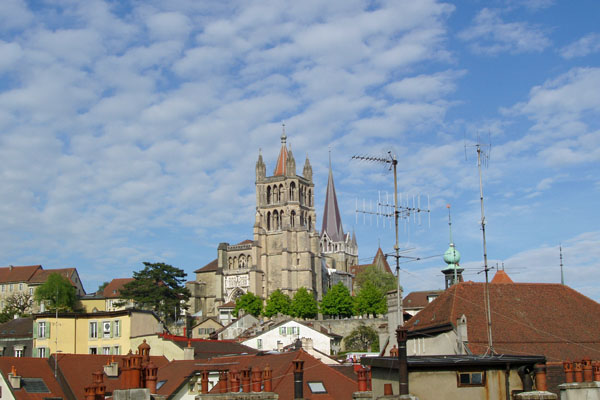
(230, 263)
(275, 220)
(235, 262)
(269, 221)
(292, 219)
(309, 222)
(281, 193)
(242, 261)
(301, 218)
(281, 219)
(249, 261)
(275, 194)
(309, 198)
(268, 194)
(292, 191)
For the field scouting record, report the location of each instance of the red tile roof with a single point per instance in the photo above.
(527, 319)
(31, 368)
(78, 368)
(281, 161)
(337, 384)
(210, 267)
(420, 299)
(229, 304)
(18, 274)
(501, 277)
(113, 289)
(41, 275)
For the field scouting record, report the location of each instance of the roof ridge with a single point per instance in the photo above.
(326, 365)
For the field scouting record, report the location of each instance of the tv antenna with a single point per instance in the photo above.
(562, 275)
(483, 155)
(388, 210)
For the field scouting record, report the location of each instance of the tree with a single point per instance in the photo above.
(250, 303)
(304, 304)
(337, 302)
(278, 303)
(160, 288)
(362, 338)
(370, 300)
(102, 287)
(57, 293)
(18, 304)
(381, 279)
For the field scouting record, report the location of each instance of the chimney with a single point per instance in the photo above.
(246, 380)
(136, 371)
(90, 392)
(256, 380)
(204, 382)
(568, 367)
(401, 336)
(578, 368)
(188, 352)
(279, 346)
(234, 381)
(362, 380)
(111, 369)
(223, 381)
(151, 377)
(298, 379)
(14, 379)
(394, 352)
(540, 377)
(596, 366)
(588, 373)
(268, 378)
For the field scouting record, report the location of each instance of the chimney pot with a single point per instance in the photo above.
(578, 368)
(588, 373)
(540, 377)
(568, 368)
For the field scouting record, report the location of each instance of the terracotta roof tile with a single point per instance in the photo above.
(527, 318)
(229, 304)
(78, 368)
(17, 328)
(18, 274)
(210, 267)
(420, 299)
(501, 277)
(113, 289)
(28, 367)
(41, 275)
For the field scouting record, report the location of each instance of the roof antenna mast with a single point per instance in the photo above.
(482, 156)
(562, 275)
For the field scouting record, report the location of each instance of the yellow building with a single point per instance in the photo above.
(91, 333)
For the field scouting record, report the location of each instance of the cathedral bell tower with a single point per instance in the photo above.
(284, 228)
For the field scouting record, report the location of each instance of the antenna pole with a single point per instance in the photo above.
(562, 275)
(396, 246)
(485, 263)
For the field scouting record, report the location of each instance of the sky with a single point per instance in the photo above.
(129, 130)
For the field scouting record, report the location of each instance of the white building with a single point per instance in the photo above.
(287, 332)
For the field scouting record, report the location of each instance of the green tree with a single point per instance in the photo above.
(278, 302)
(102, 287)
(250, 303)
(158, 287)
(304, 304)
(57, 293)
(381, 279)
(370, 301)
(363, 338)
(337, 302)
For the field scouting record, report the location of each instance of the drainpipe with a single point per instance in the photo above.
(507, 381)
(298, 379)
(401, 336)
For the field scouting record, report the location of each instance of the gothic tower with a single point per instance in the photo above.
(284, 229)
(339, 248)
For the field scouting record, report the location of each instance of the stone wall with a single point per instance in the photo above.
(344, 327)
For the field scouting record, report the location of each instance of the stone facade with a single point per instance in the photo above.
(286, 251)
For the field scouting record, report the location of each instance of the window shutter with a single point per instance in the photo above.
(111, 328)
(47, 330)
(90, 330)
(35, 330)
(35, 352)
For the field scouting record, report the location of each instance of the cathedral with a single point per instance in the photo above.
(286, 252)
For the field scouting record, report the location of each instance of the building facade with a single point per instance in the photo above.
(286, 252)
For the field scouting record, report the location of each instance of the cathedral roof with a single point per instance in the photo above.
(280, 167)
(332, 221)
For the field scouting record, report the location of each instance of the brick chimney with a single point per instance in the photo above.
(234, 381)
(588, 373)
(204, 382)
(268, 378)
(223, 381)
(256, 380)
(246, 380)
(568, 368)
(151, 377)
(540, 377)
(14, 379)
(362, 380)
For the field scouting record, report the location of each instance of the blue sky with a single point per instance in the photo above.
(129, 131)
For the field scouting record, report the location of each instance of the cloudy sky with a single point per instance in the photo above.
(129, 131)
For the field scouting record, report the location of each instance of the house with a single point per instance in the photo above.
(454, 377)
(25, 378)
(416, 301)
(91, 333)
(527, 318)
(109, 298)
(287, 332)
(205, 328)
(235, 329)
(15, 280)
(16, 338)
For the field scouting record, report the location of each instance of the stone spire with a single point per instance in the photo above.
(307, 171)
(332, 221)
(280, 167)
(290, 165)
(261, 168)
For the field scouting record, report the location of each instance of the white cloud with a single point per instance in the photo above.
(489, 34)
(588, 44)
(425, 87)
(14, 14)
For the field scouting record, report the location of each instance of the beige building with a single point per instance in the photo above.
(91, 333)
(286, 252)
(23, 280)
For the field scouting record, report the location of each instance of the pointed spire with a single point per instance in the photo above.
(332, 221)
(261, 168)
(307, 171)
(280, 167)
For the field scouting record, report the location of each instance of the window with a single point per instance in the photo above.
(10, 287)
(476, 378)
(93, 331)
(282, 330)
(4, 288)
(292, 330)
(259, 344)
(317, 387)
(106, 350)
(117, 350)
(41, 352)
(117, 328)
(93, 350)
(42, 331)
(20, 287)
(31, 291)
(18, 352)
(106, 331)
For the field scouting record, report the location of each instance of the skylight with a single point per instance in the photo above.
(34, 385)
(317, 387)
